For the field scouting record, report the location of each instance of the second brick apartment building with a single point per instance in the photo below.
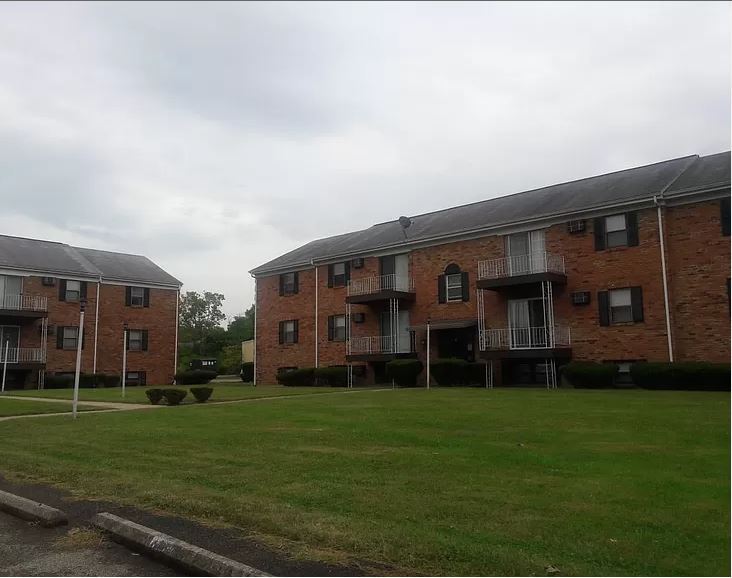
(624, 267)
(42, 285)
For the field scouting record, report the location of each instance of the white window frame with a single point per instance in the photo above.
(342, 281)
(137, 340)
(288, 287)
(339, 328)
(288, 332)
(453, 286)
(74, 339)
(68, 293)
(613, 229)
(134, 298)
(620, 311)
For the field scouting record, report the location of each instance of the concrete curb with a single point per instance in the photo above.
(29, 510)
(201, 562)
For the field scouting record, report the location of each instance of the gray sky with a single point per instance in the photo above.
(214, 137)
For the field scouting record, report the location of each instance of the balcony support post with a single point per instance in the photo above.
(5, 362)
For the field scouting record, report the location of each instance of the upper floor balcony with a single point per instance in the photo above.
(521, 270)
(23, 305)
(23, 355)
(526, 341)
(380, 288)
(377, 347)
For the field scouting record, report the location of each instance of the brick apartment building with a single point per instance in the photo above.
(624, 267)
(42, 284)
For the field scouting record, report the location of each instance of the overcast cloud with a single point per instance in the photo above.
(214, 137)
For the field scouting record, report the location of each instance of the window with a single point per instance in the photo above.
(337, 328)
(137, 296)
(288, 331)
(135, 378)
(73, 291)
(616, 231)
(620, 305)
(454, 287)
(48, 281)
(288, 284)
(286, 369)
(621, 308)
(70, 338)
(338, 275)
(134, 340)
(624, 367)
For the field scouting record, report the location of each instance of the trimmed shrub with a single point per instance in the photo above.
(590, 375)
(691, 376)
(59, 381)
(201, 393)
(194, 377)
(247, 372)
(112, 381)
(174, 396)
(304, 377)
(404, 372)
(475, 374)
(154, 395)
(332, 376)
(447, 372)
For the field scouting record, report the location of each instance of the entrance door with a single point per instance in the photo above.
(10, 289)
(10, 337)
(526, 323)
(404, 338)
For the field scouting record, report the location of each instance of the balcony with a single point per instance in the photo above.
(527, 341)
(377, 348)
(23, 355)
(380, 288)
(24, 305)
(521, 270)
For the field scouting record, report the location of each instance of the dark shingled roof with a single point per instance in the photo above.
(61, 259)
(576, 196)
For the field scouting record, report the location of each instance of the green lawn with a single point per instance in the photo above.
(446, 481)
(10, 407)
(134, 394)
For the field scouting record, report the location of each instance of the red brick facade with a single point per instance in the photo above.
(698, 263)
(159, 319)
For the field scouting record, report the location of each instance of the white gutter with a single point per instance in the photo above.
(665, 281)
(96, 325)
(316, 312)
(177, 323)
(256, 306)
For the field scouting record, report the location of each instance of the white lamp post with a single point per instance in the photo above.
(428, 353)
(79, 339)
(124, 358)
(5, 362)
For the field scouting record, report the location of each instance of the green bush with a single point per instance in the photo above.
(59, 381)
(247, 372)
(332, 376)
(692, 376)
(590, 375)
(304, 377)
(475, 374)
(404, 372)
(447, 372)
(194, 377)
(174, 396)
(154, 395)
(201, 393)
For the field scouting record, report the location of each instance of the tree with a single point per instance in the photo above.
(241, 328)
(200, 314)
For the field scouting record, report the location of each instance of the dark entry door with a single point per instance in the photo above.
(458, 343)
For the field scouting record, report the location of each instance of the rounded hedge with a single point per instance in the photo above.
(404, 372)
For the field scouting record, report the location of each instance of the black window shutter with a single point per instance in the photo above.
(636, 300)
(631, 222)
(465, 284)
(83, 337)
(603, 304)
(330, 275)
(297, 331)
(724, 208)
(146, 297)
(599, 227)
(144, 339)
(282, 285)
(297, 281)
(282, 332)
(441, 289)
(62, 289)
(143, 378)
(347, 269)
(59, 337)
(128, 296)
(82, 290)
(330, 327)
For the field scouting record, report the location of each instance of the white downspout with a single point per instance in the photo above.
(316, 311)
(256, 306)
(665, 280)
(177, 323)
(96, 325)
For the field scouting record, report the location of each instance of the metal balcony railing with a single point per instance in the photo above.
(377, 345)
(23, 355)
(370, 285)
(24, 302)
(540, 262)
(525, 338)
